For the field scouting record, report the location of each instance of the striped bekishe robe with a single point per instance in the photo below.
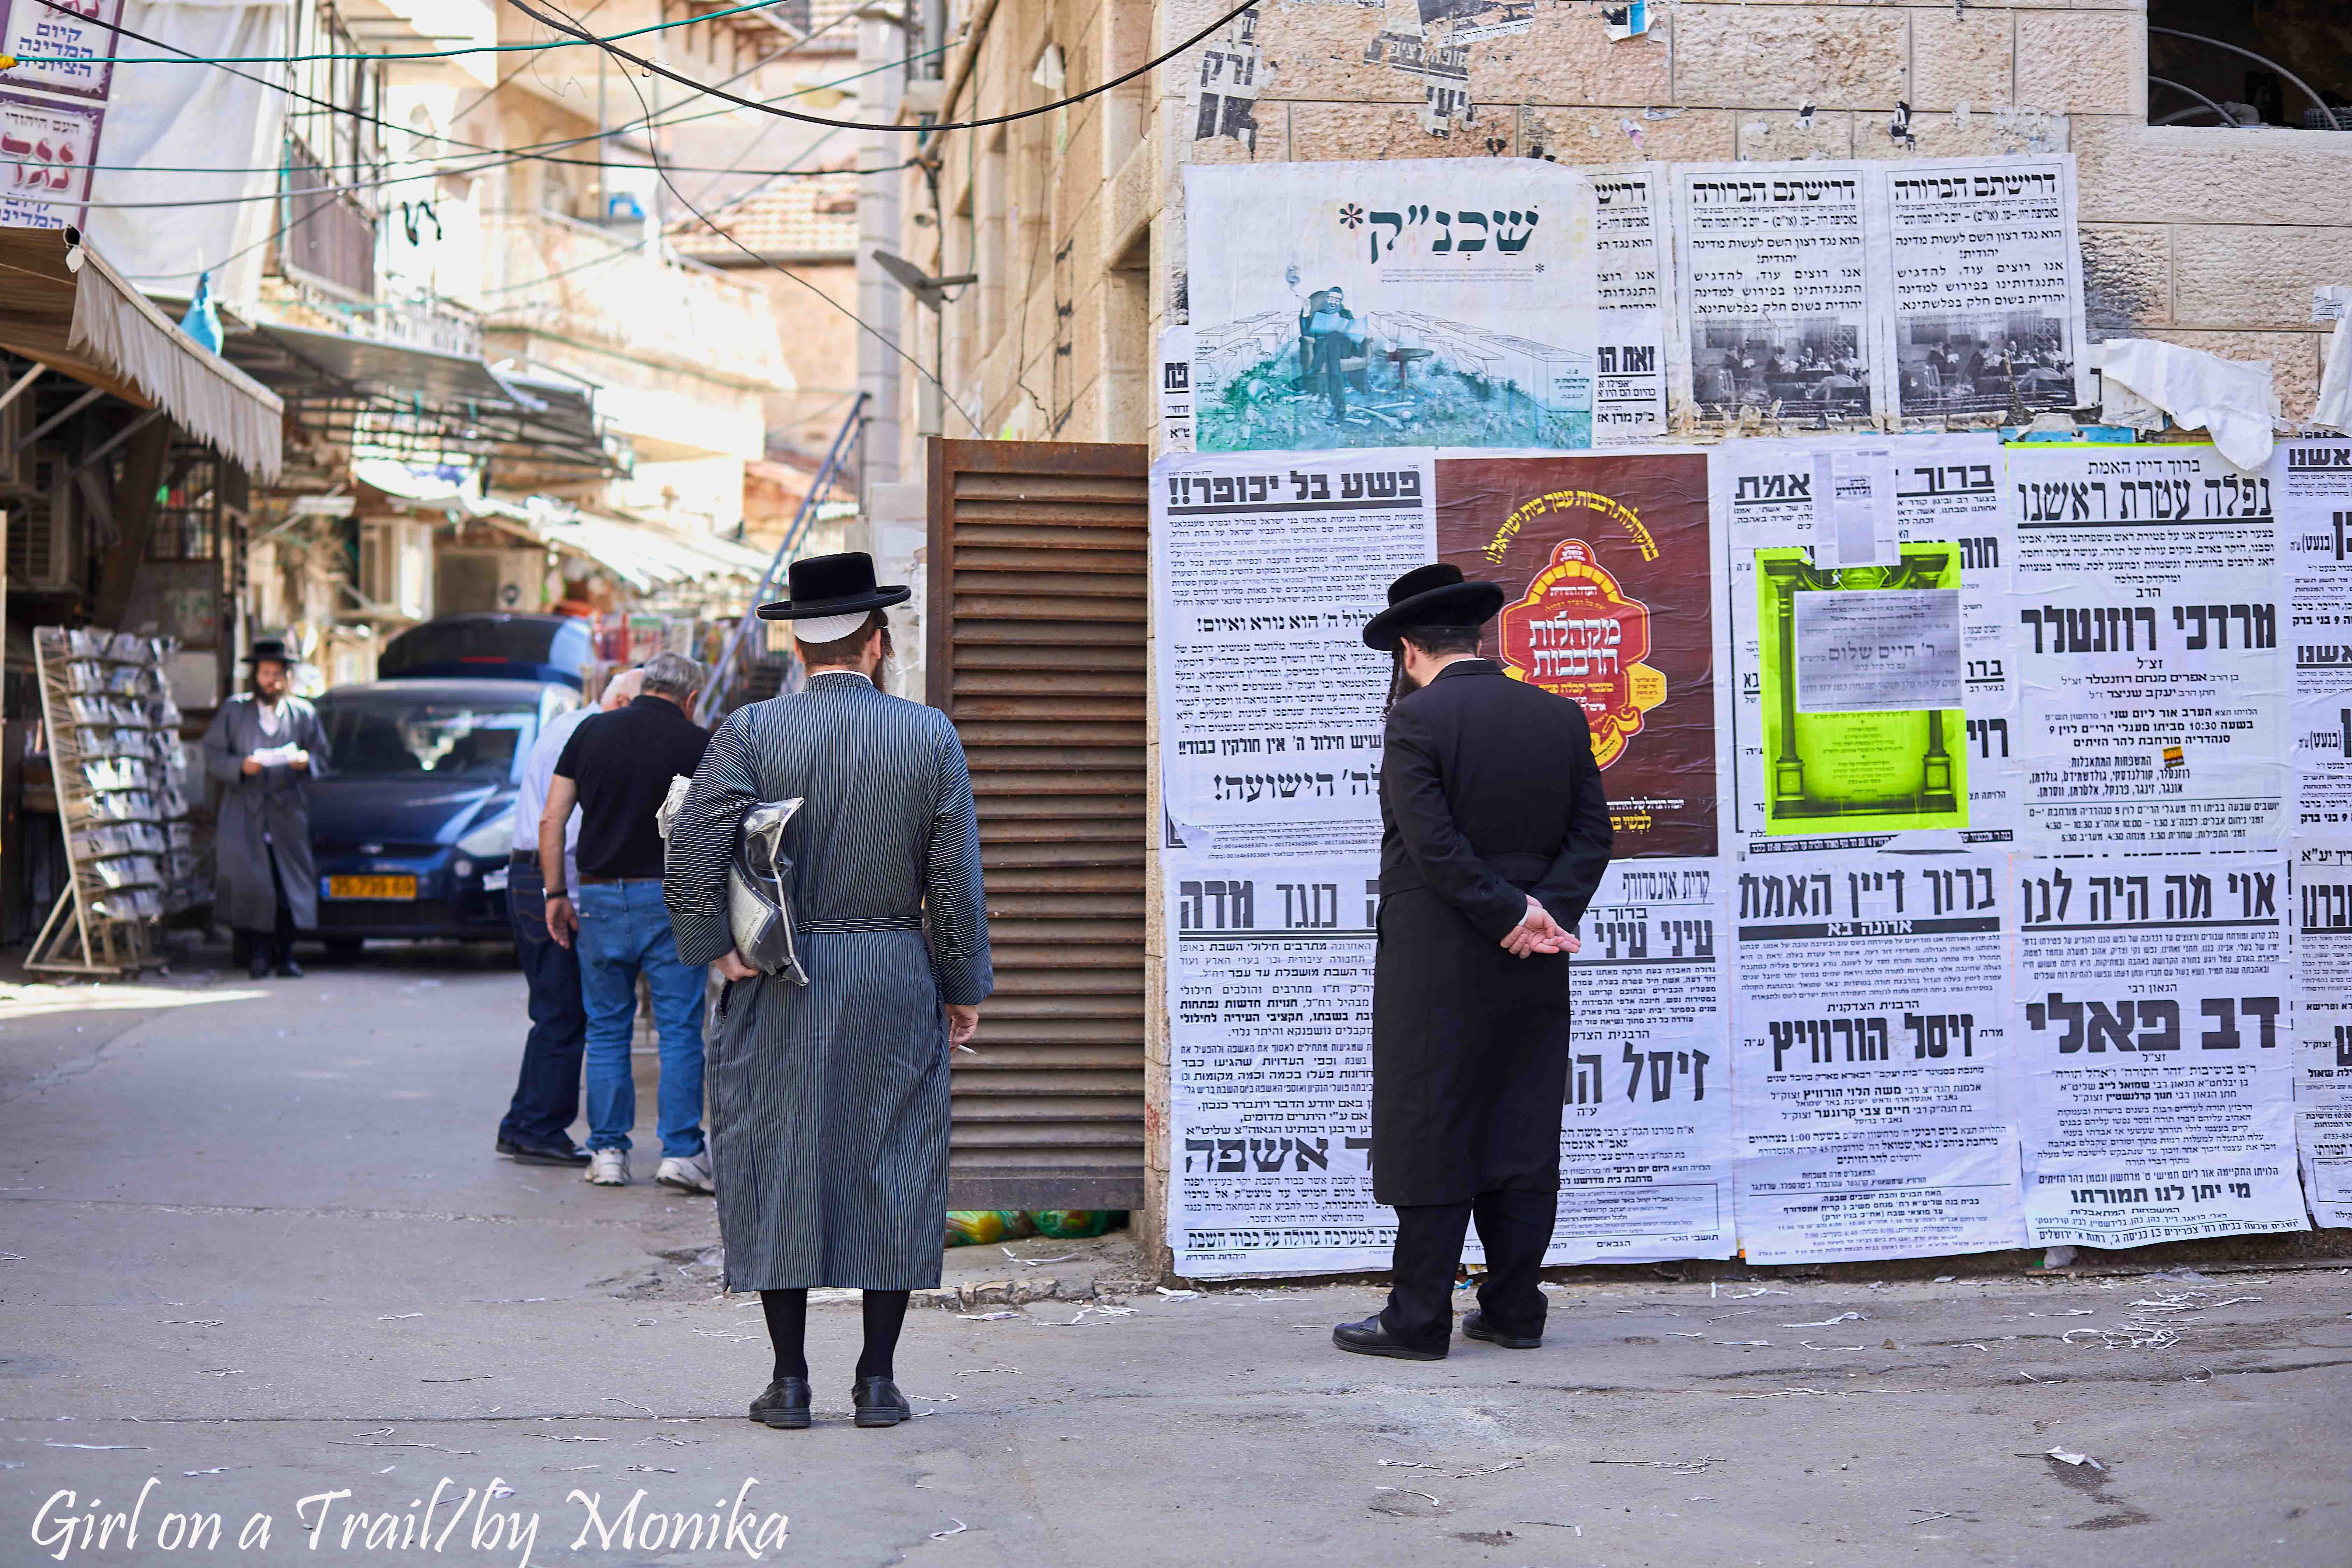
(829, 1102)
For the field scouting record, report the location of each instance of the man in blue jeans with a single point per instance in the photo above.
(617, 767)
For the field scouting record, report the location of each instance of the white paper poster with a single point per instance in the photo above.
(1270, 1067)
(1631, 256)
(1441, 302)
(1265, 567)
(1778, 291)
(2322, 1026)
(2311, 483)
(2154, 709)
(47, 147)
(1870, 1057)
(1646, 1143)
(2153, 1024)
(1175, 379)
(1987, 303)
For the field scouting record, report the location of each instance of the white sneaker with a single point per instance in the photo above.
(691, 1174)
(608, 1167)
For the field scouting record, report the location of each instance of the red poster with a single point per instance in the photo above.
(1606, 564)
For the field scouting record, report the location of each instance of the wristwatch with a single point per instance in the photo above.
(558, 893)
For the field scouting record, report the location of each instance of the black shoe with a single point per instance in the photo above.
(288, 970)
(783, 1404)
(1473, 1324)
(563, 1153)
(1372, 1337)
(259, 969)
(879, 1402)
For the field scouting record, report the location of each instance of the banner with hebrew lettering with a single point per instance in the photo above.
(1870, 1056)
(2155, 691)
(1265, 567)
(1439, 302)
(2153, 1026)
(1608, 572)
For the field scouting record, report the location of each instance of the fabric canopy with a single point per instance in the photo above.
(63, 305)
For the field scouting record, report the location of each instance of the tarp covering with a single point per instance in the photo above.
(62, 304)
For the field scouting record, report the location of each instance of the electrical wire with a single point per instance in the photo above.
(341, 58)
(918, 129)
(864, 325)
(530, 153)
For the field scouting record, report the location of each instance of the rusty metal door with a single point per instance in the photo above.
(1035, 645)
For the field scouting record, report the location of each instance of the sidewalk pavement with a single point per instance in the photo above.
(259, 1251)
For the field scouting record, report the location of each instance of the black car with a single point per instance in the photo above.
(413, 821)
(491, 644)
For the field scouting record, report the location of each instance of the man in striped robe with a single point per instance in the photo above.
(829, 1102)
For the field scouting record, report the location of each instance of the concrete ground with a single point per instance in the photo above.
(256, 1247)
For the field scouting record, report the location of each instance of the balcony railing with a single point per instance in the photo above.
(330, 237)
(557, 275)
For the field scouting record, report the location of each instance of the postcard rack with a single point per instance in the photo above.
(122, 802)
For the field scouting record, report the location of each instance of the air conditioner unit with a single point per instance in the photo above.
(43, 554)
(396, 567)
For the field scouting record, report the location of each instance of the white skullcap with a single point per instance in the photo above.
(828, 628)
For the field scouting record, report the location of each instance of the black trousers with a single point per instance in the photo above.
(279, 940)
(547, 1090)
(1514, 1222)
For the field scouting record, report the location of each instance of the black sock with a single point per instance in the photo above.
(886, 1314)
(787, 1314)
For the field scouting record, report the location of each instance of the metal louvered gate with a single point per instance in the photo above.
(1038, 589)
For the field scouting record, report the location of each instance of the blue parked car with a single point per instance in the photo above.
(413, 823)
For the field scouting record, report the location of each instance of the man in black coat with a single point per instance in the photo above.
(1495, 835)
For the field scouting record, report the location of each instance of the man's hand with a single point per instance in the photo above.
(299, 762)
(964, 1024)
(1538, 932)
(732, 966)
(563, 921)
(249, 767)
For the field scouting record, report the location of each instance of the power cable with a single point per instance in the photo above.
(864, 325)
(654, 69)
(341, 58)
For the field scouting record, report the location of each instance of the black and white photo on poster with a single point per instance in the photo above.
(1776, 289)
(2154, 1028)
(1870, 1056)
(1987, 296)
(2154, 697)
(1265, 568)
(1646, 1139)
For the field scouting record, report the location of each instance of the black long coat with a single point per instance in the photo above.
(1488, 793)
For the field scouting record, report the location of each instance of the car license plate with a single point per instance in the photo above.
(371, 887)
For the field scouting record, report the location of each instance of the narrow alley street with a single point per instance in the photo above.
(259, 1248)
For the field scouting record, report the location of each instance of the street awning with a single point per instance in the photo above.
(646, 556)
(421, 404)
(62, 305)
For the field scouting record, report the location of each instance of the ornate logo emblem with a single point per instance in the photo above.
(1578, 636)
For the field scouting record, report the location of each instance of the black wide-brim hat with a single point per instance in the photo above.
(834, 586)
(269, 651)
(1433, 595)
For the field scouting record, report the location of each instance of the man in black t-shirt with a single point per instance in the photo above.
(617, 767)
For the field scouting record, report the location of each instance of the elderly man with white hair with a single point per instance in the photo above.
(535, 1130)
(617, 767)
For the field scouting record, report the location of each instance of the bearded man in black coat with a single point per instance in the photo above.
(1495, 835)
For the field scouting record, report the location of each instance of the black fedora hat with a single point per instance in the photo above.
(269, 651)
(834, 586)
(1432, 596)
